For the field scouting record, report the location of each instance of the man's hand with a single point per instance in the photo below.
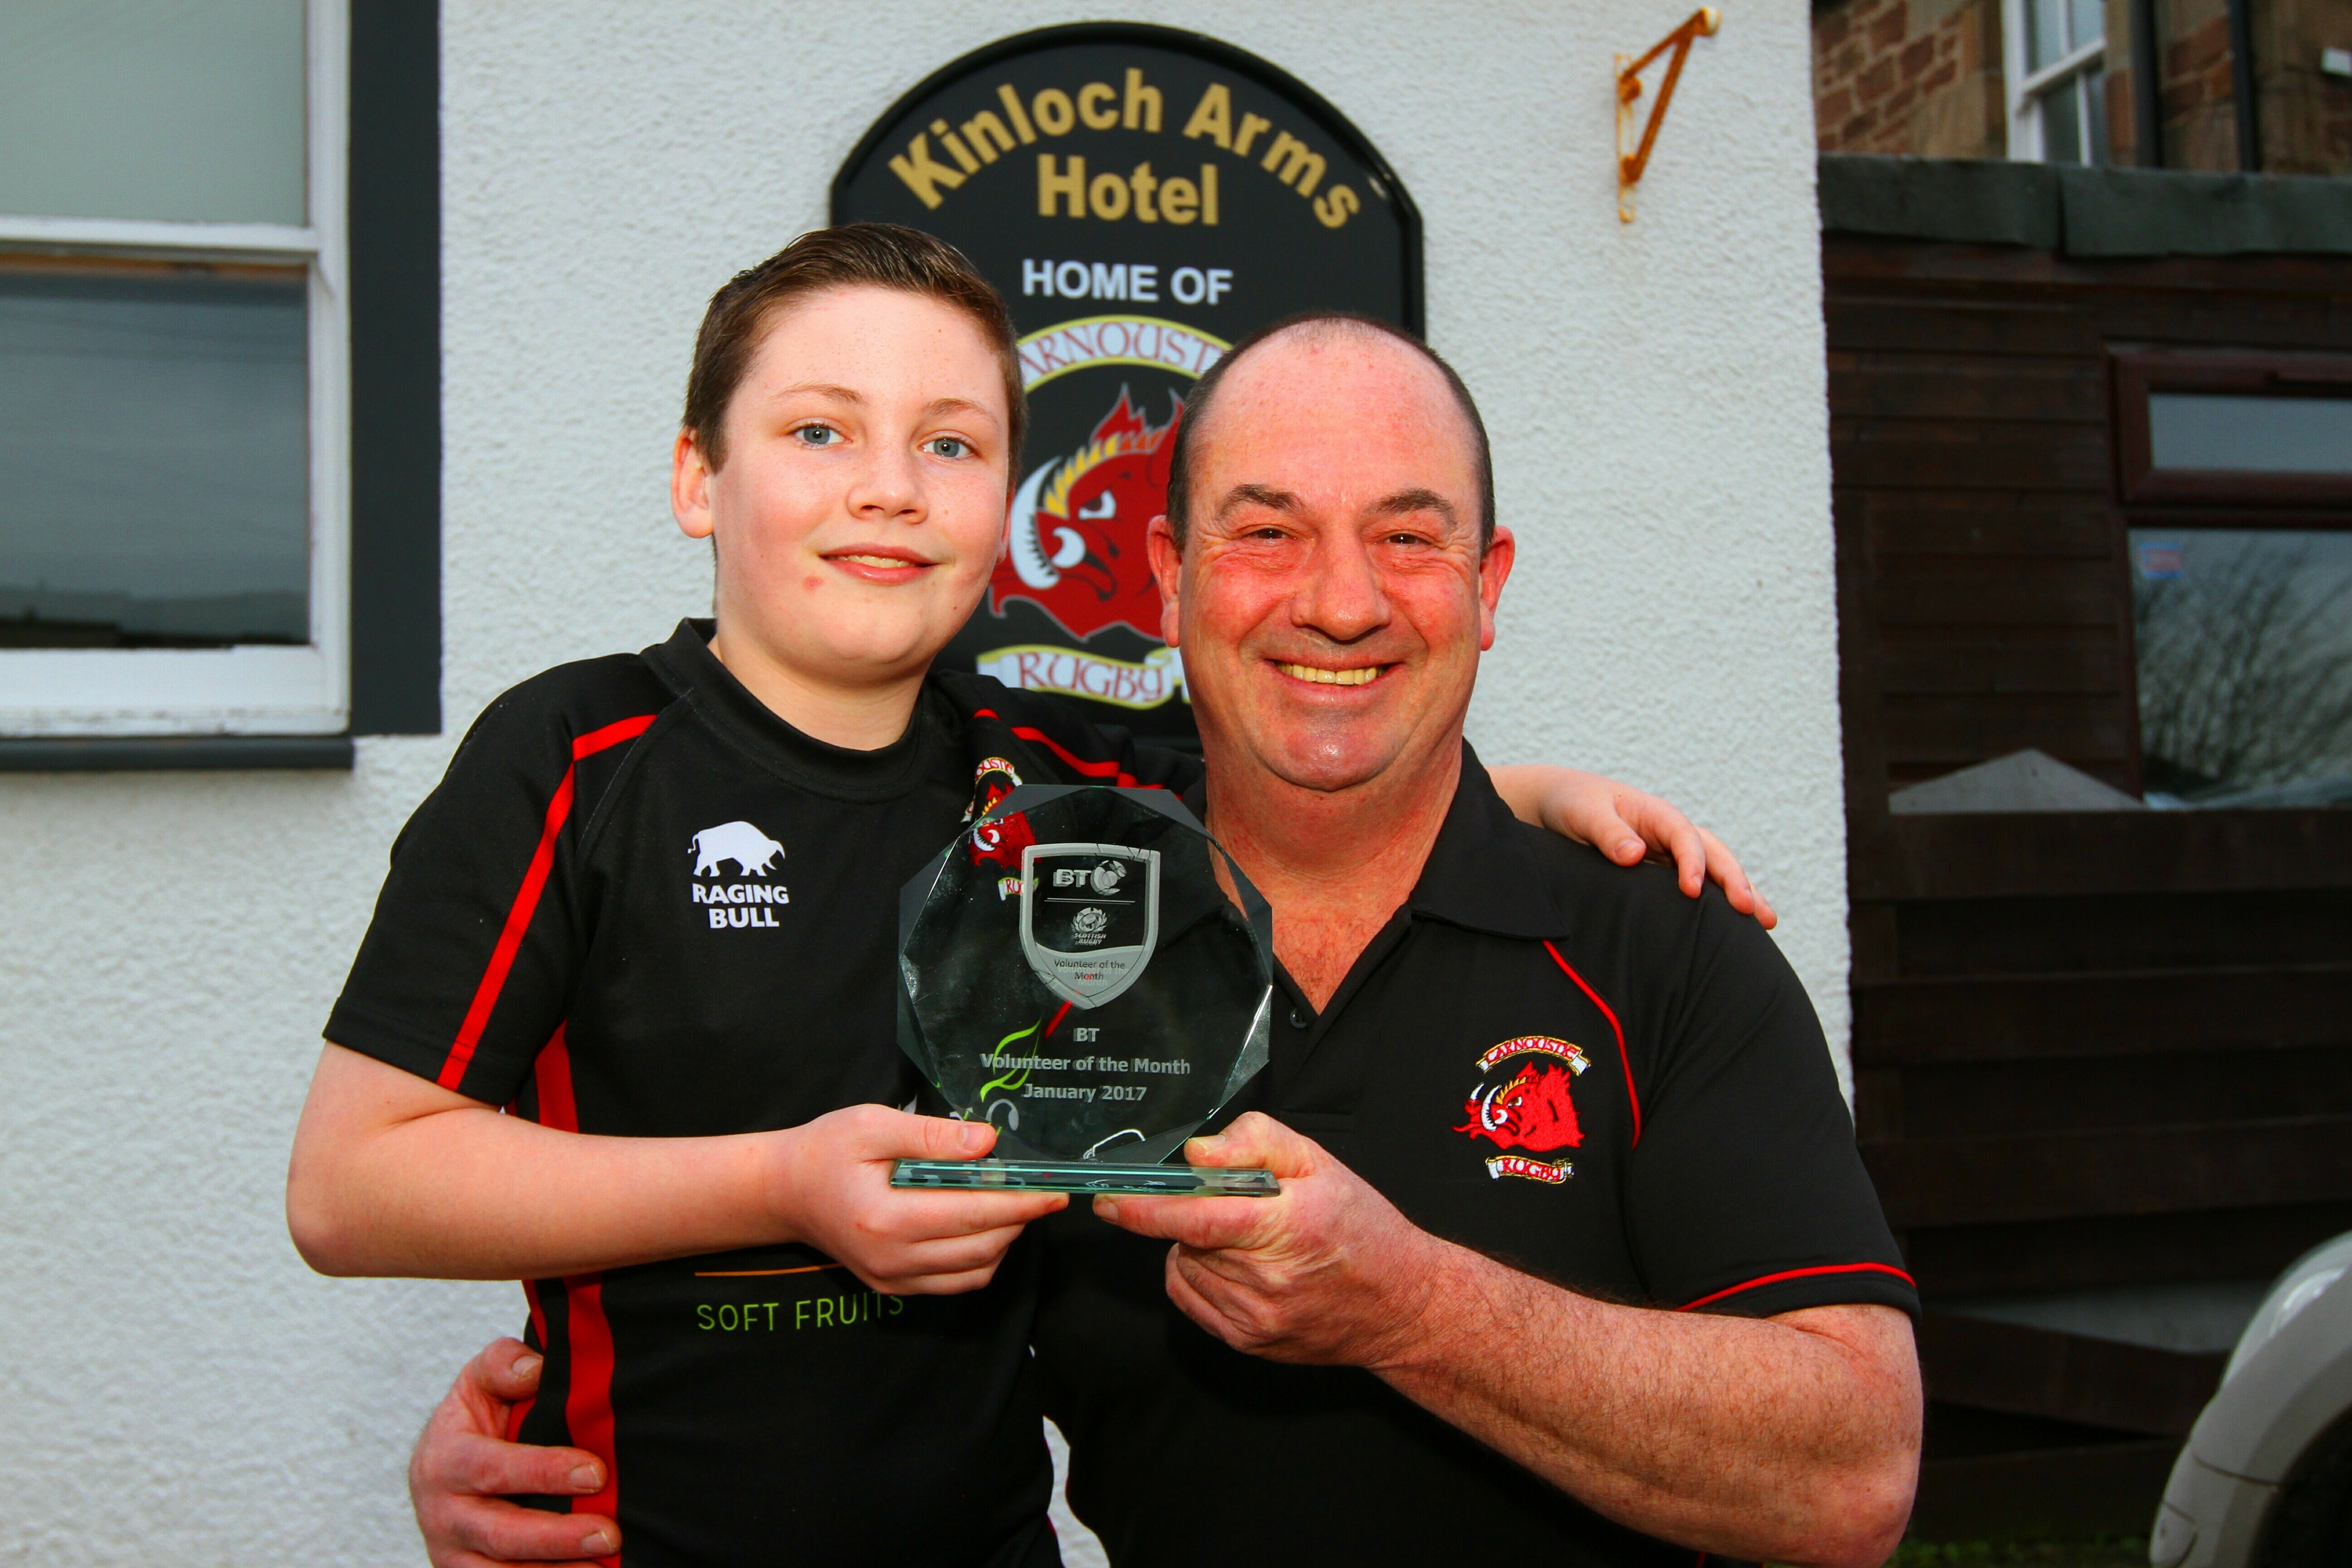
(1327, 1273)
(1626, 823)
(834, 1191)
(463, 1470)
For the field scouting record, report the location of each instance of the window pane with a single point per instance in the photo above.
(186, 110)
(2088, 23)
(2244, 643)
(2095, 115)
(2062, 125)
(154, 468)
(2263, 435)
(2045, 27)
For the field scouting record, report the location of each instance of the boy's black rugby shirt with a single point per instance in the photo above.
(641, 904)
(1568, 1067)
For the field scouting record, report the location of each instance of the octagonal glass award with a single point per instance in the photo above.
(1086, 970)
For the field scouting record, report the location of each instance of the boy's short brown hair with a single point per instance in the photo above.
(879, 255)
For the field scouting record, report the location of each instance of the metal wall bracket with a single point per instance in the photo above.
(1702, 24)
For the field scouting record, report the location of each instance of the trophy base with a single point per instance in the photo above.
(1083, 1176)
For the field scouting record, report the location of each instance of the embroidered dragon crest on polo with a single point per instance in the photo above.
(1522, 1101)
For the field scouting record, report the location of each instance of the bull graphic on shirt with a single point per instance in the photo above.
(1076, 545)
(752, 850)
(1532, 1108)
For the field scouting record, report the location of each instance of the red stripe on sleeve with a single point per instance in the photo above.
(595, 741)
(1607, 1012)
(551, 1075)
(526, 899)
(1801, 1274)
(521, 1410)
(1092, 770)
(588, 1411)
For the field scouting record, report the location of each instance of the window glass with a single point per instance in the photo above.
(183, 110)
(2062, 125)
(154, 455)
(2086, 22)
(2244, 647)
(2261, 434)
(2094, 117)
(2045, 29)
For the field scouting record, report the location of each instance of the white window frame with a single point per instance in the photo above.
(255, 690)
(2026, 91)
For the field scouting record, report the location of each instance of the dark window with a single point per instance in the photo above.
(2235, 471)
(155, 442)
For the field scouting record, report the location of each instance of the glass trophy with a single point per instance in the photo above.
(1086, 971)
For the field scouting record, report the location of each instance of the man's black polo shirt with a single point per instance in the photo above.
(640, 904)
(1566, 1065)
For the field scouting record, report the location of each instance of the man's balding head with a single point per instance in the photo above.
(1197, 427)
(1338, 571)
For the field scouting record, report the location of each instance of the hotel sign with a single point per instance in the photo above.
(1143, 197)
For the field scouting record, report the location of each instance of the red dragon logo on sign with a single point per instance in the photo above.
(1532, 1109)
(1076, 549)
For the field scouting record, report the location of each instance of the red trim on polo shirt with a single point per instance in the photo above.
(1609, 1013)
(1801, 1274)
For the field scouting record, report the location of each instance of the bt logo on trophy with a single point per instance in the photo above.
(1142, 197)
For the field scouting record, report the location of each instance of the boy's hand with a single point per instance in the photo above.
(463, 1470)
(1626, 825)
(832, 1182)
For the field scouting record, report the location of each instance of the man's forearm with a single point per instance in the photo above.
(1782, 1439)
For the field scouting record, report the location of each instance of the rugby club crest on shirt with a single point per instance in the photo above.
(1522, 1101)
(1001, 842)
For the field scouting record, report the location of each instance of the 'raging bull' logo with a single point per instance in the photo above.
(1531, 1109)
(749, 901)
(1076, 547)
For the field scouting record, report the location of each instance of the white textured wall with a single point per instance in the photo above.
(174, 1385)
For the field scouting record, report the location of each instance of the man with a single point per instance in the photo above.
(1574, 1255)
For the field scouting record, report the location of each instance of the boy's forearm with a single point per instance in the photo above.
(462, 1192)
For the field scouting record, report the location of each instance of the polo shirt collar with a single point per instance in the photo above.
(1481, 874)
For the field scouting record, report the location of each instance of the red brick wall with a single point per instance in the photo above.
(2305, 115)
(1921, 77)
(1924, 77)
(2200, 116)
